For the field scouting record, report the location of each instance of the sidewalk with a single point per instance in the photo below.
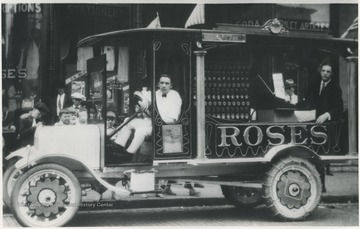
(341, 188)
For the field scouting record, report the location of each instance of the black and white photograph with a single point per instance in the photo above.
(180, 114)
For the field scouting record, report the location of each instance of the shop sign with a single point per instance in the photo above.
(259, 138)
(14, 73)
(21, 8)
(115, 85)
(75, 77)
(224, 37)
(95, 10)
(296, 25)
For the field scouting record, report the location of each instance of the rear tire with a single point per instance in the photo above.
(47, 195)
(293, 188)
(243, 197)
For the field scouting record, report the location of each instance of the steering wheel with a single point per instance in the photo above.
(140, 97)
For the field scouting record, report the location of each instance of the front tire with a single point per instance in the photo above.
(292, 188)
(47, 195)
(10, 176)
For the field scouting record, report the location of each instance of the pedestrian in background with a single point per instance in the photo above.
(77, 100)
(59, 102)
(290, 95)
(30, 121)
(110, 122)
(65, 117)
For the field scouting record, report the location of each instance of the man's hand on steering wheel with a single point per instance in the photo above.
(143, 105)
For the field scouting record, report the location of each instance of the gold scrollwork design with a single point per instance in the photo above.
(275, 26)
(186, 48)
(157, 45)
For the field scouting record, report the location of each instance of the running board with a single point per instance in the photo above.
(147, 192)
(210, 161)
(244, 184)
(332, 158)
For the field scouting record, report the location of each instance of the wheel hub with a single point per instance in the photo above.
(293, 189)
(46, 197)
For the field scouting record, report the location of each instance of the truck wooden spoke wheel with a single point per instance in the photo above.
(293, 188)
(46, 195)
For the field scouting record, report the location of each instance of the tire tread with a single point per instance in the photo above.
(270, 175)
(22, 179)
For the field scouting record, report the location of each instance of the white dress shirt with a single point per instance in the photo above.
(291, 99)
(170, 106)
(60, 98)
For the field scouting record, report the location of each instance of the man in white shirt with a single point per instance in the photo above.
(168, 103)
(59, 102)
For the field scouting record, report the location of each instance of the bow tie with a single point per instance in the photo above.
(164, 95)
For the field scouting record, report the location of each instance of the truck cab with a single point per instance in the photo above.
(236, 127)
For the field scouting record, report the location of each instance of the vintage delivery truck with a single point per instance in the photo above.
(235, 129)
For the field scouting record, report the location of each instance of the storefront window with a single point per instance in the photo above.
(22, 45)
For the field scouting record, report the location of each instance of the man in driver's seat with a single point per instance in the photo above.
(168, 103)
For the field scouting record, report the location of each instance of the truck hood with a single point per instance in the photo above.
(80, 141)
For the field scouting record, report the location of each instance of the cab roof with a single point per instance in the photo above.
(94, 39)
(252, 36)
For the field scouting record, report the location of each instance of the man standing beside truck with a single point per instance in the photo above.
(327, 96)
(30, 121)
(326, 99)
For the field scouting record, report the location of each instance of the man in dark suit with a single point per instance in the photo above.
(327, 96)
(30, 121)
(326, 99)
(59, 102)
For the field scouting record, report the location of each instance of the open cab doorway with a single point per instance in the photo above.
(130, 99)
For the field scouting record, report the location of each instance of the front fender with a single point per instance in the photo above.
(290, 150)
(22, 154)
(31, 159)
